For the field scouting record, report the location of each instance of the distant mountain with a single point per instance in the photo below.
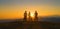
(55, 19)
(9, 20)
(6, 21)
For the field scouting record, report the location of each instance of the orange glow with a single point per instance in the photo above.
(18, 12)
(32, 14)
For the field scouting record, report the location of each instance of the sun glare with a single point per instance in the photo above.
(32, 14)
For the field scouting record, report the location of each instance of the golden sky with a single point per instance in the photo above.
(14, 10)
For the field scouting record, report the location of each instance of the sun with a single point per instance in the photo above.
(32, 14)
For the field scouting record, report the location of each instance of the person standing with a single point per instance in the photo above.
(25, 16)
(36, 16)
(29, 15)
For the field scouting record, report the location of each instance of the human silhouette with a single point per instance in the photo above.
(36, 16)
(29, 15)
(25, 16)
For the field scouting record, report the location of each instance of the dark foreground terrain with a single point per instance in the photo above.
(29, 25)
